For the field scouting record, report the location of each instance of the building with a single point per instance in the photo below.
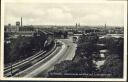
(19, 29)
(10, 29)
(18, 24)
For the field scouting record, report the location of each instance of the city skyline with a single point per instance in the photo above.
(65, 13)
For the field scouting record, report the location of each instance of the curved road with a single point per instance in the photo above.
(66, 53)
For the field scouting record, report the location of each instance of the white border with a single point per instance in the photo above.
(2, 40)
(63, 79)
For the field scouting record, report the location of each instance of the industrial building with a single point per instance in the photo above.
(19, 29)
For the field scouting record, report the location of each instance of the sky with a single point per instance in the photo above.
(64, 13)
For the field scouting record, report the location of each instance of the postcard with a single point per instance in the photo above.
(63, 40)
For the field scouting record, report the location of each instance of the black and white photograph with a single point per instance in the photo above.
(61, 40)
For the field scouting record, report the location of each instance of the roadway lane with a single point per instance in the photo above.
(70, 53)
(66, 53)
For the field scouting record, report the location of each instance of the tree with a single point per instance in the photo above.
(112, 66)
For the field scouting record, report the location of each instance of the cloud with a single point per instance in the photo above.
(58, 15)
(100, 14)
(65, 13)
(34, 14)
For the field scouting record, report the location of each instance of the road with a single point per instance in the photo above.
(67, 52)
(70, 52)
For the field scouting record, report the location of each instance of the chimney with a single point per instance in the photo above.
(21, 21)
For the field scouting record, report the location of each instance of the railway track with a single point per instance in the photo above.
(7, 67)
(22, 65)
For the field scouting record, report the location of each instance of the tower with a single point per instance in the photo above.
(105, 26)
(17, 23)
(17, 26)
(76, 25)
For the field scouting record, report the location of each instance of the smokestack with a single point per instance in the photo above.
(21, 21)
